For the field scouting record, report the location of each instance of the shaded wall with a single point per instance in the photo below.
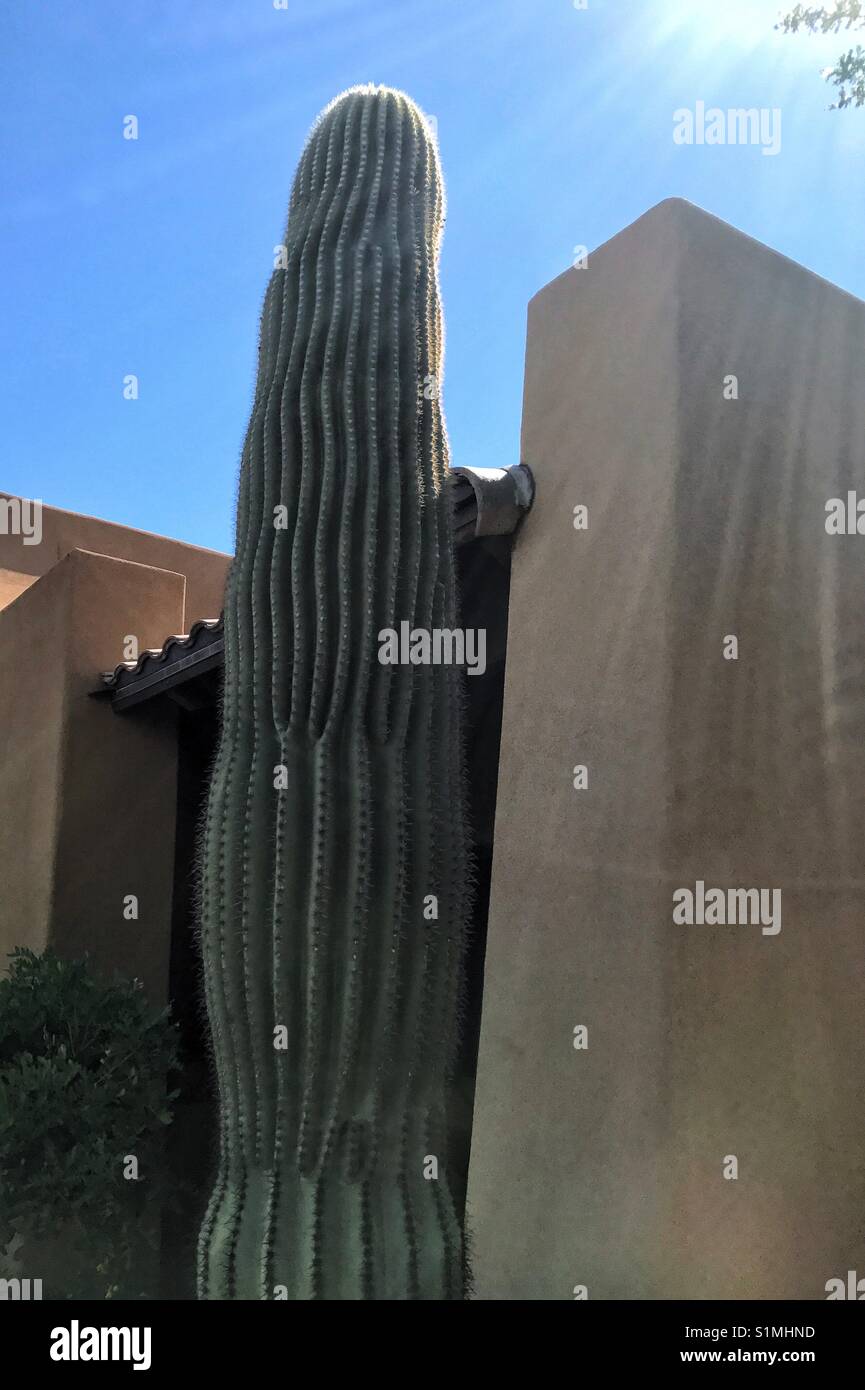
(605, 1167)
(87, 800)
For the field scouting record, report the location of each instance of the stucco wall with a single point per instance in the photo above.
(32, 644)
(87, 799)
(12, 583)
(604, 1167)
(205, 570)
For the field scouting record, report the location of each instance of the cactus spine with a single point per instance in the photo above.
(336, 802)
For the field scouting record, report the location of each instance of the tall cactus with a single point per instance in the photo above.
(334, 827)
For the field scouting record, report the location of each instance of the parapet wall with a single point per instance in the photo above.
(671, 1108)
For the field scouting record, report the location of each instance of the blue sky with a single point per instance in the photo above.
(151, 256)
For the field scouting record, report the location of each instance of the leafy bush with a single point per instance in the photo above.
(83, 1069)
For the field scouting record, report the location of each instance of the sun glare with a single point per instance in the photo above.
(734, 24)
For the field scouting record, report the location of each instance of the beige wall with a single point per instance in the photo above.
(205, 570)
(12, 583)
(87, 798)
(604, 1167)
(32, 643)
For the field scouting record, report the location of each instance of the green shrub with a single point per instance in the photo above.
(83, 1069)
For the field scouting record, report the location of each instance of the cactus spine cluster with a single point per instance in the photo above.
(333, 873)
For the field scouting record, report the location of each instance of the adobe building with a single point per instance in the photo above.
(101, 798)
(87, 801)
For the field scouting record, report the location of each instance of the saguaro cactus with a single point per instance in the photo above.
(334, 871)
